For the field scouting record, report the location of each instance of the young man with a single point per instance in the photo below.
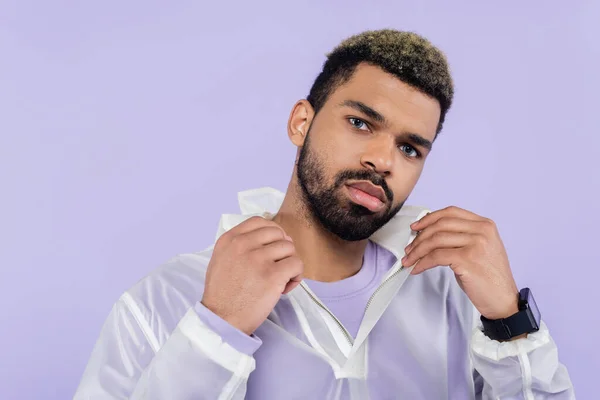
(331, 291)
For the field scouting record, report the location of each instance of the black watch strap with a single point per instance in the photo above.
(526, 320)
(507, 328)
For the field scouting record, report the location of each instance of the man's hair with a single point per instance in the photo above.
(407, 55)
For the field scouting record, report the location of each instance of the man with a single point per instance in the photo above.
(332, 291)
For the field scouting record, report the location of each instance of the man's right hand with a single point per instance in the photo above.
(251, 266)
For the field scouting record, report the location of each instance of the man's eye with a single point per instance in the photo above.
(358, 123)
(409, 151)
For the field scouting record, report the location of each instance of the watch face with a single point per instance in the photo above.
(535, 311)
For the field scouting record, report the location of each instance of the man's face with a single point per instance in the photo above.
(365, 151)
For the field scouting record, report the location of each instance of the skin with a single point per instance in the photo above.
(381, 129)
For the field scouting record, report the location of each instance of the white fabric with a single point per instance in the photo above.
(417, 340)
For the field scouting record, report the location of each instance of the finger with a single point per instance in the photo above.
(444, 224)
(451, 211)
(440, 240)
(293, 283)
(290, 270)
(436, 258)
(252, 224)
(277, 250)
(262, 236)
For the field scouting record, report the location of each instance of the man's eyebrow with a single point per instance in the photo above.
(365, 109)
(378, 117)
(418, 140)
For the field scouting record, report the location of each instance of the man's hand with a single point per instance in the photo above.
(471, 246)
(251, 266)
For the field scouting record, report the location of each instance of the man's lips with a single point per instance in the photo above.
(370, 189)
(367, 195)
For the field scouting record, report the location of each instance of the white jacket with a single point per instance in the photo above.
(419, 339)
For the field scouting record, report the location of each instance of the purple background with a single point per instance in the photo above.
(127, 128)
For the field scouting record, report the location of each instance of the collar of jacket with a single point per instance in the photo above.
(266, 201)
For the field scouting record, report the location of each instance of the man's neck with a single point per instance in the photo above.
(326, 257)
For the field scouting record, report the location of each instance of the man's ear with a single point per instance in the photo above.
(300, 119)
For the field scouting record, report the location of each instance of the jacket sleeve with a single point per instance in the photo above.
(129, 361)
(526, 368)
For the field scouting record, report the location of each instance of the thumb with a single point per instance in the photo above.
(291, 285)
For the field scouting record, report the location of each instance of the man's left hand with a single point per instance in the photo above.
(471, 246)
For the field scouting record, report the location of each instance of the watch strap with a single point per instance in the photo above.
(508, 328)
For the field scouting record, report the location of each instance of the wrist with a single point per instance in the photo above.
(227, 317)
(510, 308)
(514, 322)
(230, 334)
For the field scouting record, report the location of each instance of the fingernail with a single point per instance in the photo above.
(407, 248)
(403, 261)
(289, 238)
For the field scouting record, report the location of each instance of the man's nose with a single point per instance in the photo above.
(379, 155)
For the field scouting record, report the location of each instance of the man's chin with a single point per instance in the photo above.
(359, 211)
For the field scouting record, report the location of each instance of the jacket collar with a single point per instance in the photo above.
(266, 201)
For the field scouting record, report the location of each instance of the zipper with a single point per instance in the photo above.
(342, 328)
(389, 278)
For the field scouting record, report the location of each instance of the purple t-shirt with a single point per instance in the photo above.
(346, 299)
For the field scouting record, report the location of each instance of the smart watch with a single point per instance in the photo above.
(527, 320)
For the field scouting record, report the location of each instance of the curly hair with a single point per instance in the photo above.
(407, 55)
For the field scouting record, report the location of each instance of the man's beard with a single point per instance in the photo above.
(345, 219)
